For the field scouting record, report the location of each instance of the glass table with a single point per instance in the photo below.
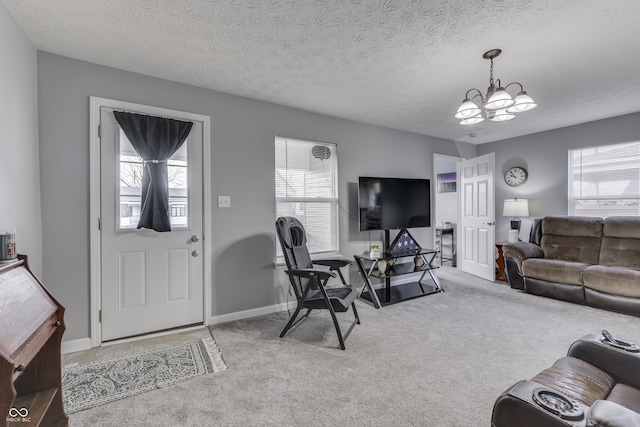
(389, 267)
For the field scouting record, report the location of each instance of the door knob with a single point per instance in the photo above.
(195, 238)
(195, 253)
(490, 223)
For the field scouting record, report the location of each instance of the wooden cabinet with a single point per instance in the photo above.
(501, 274)
(31, 328)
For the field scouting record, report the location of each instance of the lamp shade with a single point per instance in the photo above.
(472, 120)
(502, 115)
(523, 103)
(515, 207)
(467, 110)
(500, 99)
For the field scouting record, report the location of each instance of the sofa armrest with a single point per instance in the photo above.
(519, 251)
(334, 263)
(515, 407)
(516, 280)
(610, 414)
(622, 365)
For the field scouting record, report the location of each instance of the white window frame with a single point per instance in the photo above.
(571, 199)
(332, 201)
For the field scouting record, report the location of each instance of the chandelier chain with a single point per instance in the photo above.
(491, 73)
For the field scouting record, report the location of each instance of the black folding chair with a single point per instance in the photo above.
(309, 284)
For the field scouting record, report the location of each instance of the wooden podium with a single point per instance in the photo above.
(31, 328)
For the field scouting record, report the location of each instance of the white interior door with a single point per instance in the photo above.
(150, 281)
(477, 215)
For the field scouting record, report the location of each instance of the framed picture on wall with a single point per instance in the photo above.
(446, 182)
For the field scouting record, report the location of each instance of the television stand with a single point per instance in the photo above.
(388, 295)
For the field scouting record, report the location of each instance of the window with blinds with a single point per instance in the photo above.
(605, 181)
(307, 188)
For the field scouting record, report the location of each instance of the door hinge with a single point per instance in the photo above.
(100, 224)
(100, 131)
(100, 316)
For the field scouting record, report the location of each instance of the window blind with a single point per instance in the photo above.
(605, 180)
(307, 189)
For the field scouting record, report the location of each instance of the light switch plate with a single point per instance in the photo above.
(224, 201)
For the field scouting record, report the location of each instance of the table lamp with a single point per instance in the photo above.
(515, 208)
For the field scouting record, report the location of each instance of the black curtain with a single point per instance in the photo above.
(155, 139)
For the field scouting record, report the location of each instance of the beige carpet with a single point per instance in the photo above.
(439, 360)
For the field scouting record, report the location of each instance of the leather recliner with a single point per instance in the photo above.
(597, 384)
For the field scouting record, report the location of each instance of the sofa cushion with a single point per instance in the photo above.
(627, 227)
(613, 280)
(621, 242)
(554, 270)
(627, 396)
(577, 226)
(572, 238)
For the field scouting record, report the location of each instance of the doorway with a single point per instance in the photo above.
(468, 204)
(144, 281)
(445, 224)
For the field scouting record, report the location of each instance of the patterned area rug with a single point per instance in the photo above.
(103, 381)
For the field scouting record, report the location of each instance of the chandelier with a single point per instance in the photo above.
(498, 105)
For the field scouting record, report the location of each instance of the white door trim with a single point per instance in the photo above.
(94, 201)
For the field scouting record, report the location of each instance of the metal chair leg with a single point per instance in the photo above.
(335, 323)
(291, 324)
(355, 312)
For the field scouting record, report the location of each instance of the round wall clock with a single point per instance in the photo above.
(516, 176)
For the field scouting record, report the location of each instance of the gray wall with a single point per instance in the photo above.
(19, 169)
(545, 156)
(242, 164)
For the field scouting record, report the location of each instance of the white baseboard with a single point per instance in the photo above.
(85, 343)
(245, 314)
(72, 346)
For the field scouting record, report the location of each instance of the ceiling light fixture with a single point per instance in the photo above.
(498, 105)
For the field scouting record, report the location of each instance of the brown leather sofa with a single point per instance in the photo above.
(584, 260)
(596, 384)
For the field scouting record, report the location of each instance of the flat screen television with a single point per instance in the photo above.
(393, 203)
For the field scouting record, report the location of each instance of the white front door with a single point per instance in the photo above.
(150, 281)
(477, 214)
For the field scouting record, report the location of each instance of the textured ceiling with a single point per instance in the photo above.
(398, 63)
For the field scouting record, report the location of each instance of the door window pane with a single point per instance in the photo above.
(131, 166)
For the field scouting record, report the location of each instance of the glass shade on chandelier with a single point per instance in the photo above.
(467, 110)
(523, 102)
(503, 115)
(500, 100)
(497, 104)
(472, 120)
